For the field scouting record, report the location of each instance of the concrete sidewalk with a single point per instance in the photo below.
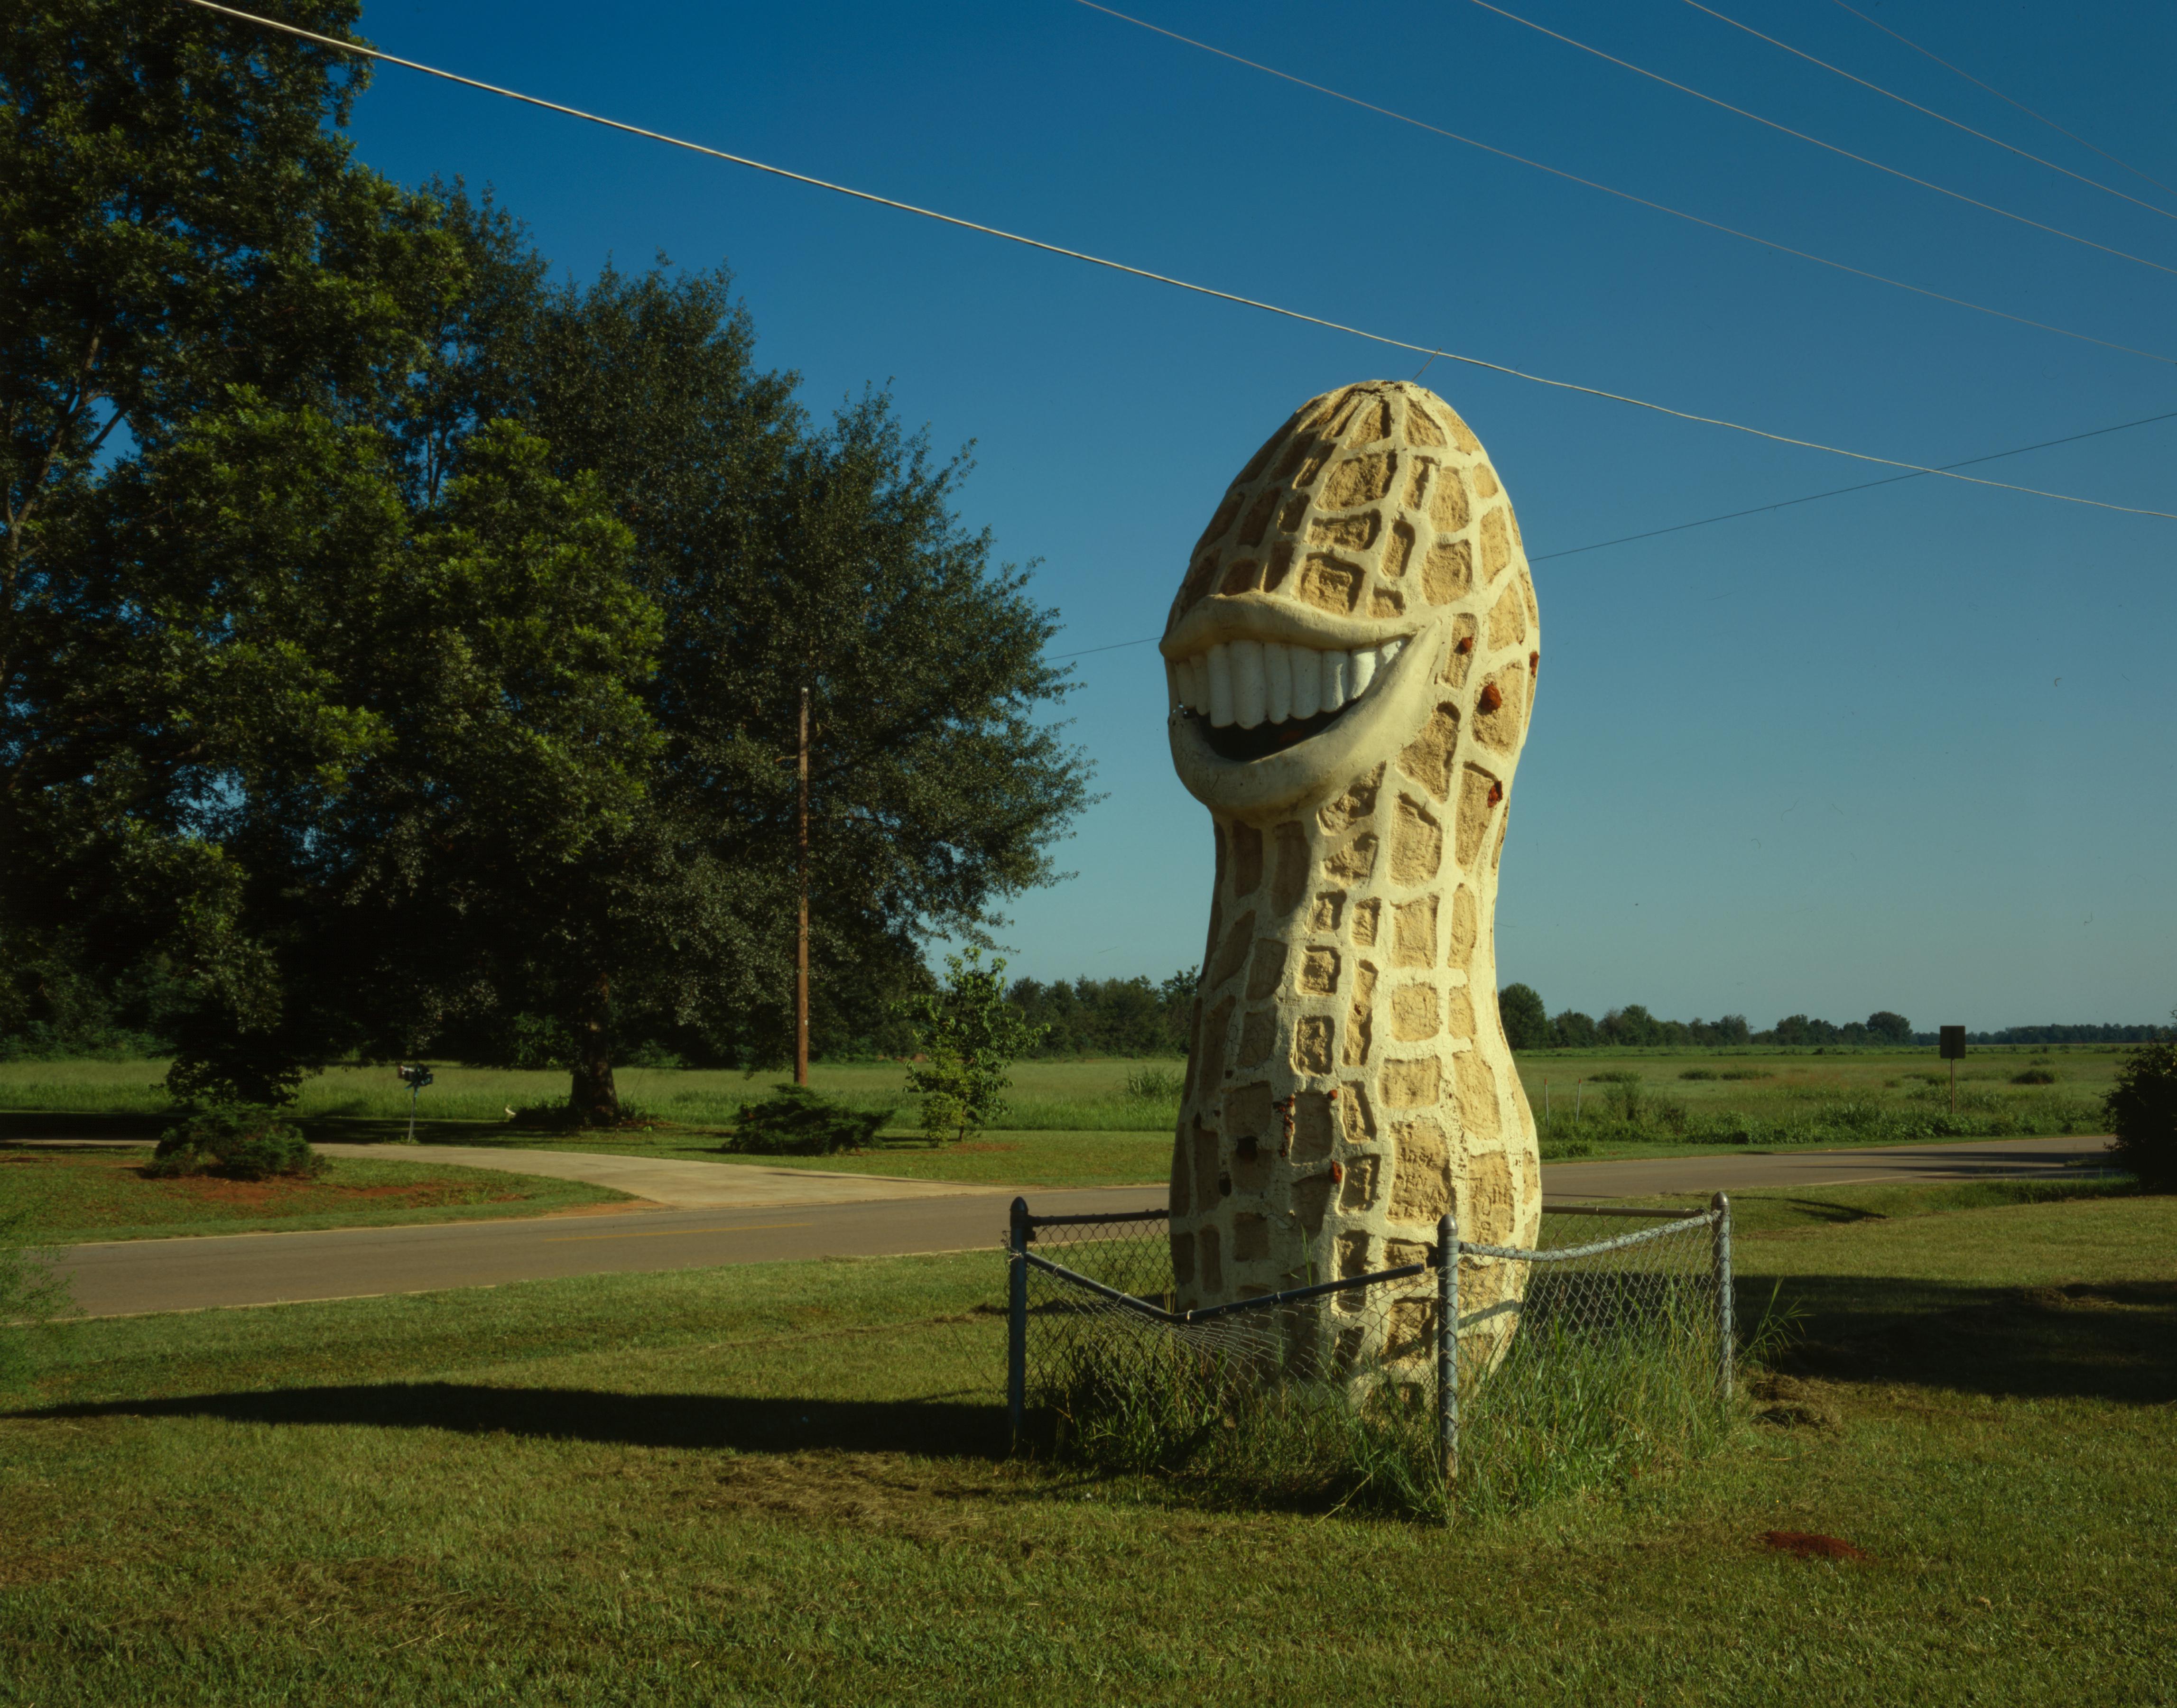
(678, 1184)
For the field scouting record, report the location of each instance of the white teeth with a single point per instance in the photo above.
(1336, 669)
(1220, 684)
(1277, 682)
(1252, 682)
(1246, 683)
(1306, 680)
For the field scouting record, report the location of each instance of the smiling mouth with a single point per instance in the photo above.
(1258, 697)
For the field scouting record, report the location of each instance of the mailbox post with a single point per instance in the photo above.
(415, 1078)
(1953, 1048)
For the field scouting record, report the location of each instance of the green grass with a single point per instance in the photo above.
(68, 1197)
(782, 1484)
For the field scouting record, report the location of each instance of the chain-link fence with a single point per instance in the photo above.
(1596, 1350)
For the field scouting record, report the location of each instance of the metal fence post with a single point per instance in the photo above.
(1017, 1319)
(1447, 1343)
(1726, 1347)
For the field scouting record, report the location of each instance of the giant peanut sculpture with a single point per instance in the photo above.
(1352, 656)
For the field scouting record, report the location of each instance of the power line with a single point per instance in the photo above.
(1434, 350)
(2039, 117)
(1757, 510)
(1623, 195)
(1953, 124)
(1839, 492)
(1894, 171)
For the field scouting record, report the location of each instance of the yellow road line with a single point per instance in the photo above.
(675, 1233)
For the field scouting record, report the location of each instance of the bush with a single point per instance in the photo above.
(239, 1141)
(2142, 1110)
(794, 1120)
(2033, 1076)
(1155, 1084)
(1698, 1073)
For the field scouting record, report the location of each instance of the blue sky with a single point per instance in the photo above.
(1909, 748)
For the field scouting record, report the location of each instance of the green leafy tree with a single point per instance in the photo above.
(2142, 1110)
(1573, 1030)
(781, 557)
(1885, 1027)
(970, 1035)
(1526, 1021)
(182, 236)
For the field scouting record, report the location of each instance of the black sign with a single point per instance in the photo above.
(1953, 1047)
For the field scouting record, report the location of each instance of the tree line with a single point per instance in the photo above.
(1529, 1025)
(404, 649)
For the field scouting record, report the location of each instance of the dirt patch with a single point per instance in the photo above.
(1789, 1403)
(276, 1197)
(1813, 1545)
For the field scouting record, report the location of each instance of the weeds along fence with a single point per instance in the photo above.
(1599, 1352)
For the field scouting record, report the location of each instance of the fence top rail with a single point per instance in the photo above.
(1157, 1214)
(1584, 1209)
(1211, 1313)
(1468, 1248)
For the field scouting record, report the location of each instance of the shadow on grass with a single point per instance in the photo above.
(49, 1123)
(2113, 1340)
(936, 1428)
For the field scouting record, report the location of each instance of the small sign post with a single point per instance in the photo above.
(1953, 1048)
(415, 1078)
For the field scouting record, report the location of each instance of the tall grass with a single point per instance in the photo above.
(1567, 1410)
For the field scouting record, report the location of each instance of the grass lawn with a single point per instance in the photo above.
(67, 1196)
(783, 1484)
(1077, 1123)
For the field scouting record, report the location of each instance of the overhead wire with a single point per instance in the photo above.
(1903, 100)
(1756, 510)
(2038, 118)
(1833, 148)
(1623, 195)
(1293, 315)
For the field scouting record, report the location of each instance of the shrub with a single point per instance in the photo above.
(794, 1120)
(1698, 1073)
(1746, 1073)
(2142, 1110)
(240, 1141)
(2033, 1076)
(1155, 1084)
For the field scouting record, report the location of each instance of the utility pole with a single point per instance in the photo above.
(801, 944)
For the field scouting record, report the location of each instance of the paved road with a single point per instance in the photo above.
(191, 1273)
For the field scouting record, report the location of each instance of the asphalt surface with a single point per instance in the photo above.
(127, 1277)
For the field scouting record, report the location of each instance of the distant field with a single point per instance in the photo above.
(1585, 1103)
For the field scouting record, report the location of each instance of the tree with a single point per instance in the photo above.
(392, 724)
(1526, 1021)
(1631, 1025)
(182, 236)
(970, 1035)
(2142, 1110)
(1888, 1028)
(1573, 1030)
(781, 558)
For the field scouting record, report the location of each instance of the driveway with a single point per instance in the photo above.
(680, 1184)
